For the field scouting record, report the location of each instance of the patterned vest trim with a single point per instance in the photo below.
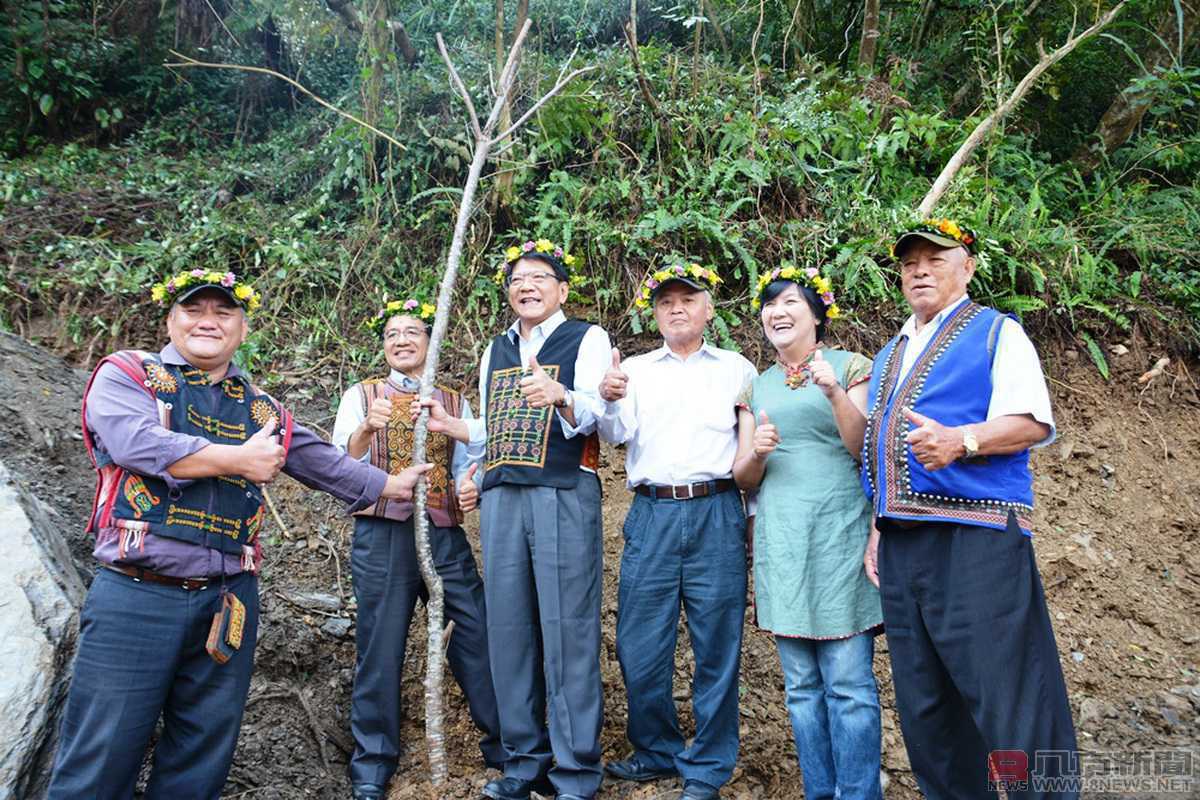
(949, 382)
(391, 451)
(223, 513)
(526, 445)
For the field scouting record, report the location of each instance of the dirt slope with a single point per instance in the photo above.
(1118, 521)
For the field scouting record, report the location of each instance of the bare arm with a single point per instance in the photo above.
(748, 466)
(849, 412)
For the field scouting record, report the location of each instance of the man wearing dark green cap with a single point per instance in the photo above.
(956, 401)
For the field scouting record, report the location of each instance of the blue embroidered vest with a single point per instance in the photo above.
(526, 445)
(950, 382)
(223, 513)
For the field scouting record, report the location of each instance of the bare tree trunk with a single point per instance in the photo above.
(504, 181)
(485, 140)
(631, 38)
(1126, 112)
(711, 15)
(924, 14)
(348, 14)
(870, 35)
(1045, 61)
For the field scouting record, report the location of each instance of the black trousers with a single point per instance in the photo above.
(387, 585)
(979, 687)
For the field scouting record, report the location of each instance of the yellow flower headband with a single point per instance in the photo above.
(413, 308)
(543, 246)
(164, 293)
(808, 276)
(693, 272)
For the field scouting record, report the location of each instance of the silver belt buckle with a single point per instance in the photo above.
(675, 493)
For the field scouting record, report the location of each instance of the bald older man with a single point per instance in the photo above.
(956, 401)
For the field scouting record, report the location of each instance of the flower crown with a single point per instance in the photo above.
(164, 293)
(807, 276)
(658, 277)
(415, 308)
(941, 227)
(545, 246)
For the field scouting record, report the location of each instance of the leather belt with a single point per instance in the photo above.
(686, 492)
(139, 574)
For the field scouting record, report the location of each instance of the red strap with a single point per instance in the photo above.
(129, 362)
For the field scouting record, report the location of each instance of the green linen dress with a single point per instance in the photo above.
(813, 519)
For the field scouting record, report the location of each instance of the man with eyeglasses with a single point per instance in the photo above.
(541, 528)
(375, 424)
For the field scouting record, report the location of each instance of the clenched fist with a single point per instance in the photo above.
(766, 436)
(615, 382)
(468, 492)
(539, 389)
(378, 414)
(262, 456)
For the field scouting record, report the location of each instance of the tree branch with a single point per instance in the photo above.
(191, 62)
(435, 605)
(1045, 61)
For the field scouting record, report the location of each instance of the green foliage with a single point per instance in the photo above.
(808, 164)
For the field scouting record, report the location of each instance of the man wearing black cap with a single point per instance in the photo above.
(541, 529)
(956, 401)
(182, 443)
(675, 410)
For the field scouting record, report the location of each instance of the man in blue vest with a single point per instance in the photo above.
(182, 443)
(541, 528)
(956, 401)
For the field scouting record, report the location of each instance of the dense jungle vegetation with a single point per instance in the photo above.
(735, 133)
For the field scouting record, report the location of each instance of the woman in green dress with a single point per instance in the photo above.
(800, 432)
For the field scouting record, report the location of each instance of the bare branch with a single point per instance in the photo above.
(508, 76)
(191, 62)
(458, 84)
(1045, 61)
(643, 84)
(533, 110)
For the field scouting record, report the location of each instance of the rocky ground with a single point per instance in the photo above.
(1118, 524)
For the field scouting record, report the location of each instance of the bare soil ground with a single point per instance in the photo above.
(1118, 524)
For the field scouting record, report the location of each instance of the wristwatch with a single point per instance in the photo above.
(567, 400)
(970, 444)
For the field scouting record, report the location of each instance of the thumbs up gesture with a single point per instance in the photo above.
(823, 375)
(613, 387)
(766, 436)
(261, 455)
(933, 444)
(378, 414)
(539, 389)
(468, 492)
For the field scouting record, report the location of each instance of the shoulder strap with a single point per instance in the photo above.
(132, 363)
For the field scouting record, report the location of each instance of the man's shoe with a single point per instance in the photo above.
(633, 769)
(366, 791)
(508, 788)
(697, 790)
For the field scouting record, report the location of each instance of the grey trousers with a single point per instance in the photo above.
(542, 566)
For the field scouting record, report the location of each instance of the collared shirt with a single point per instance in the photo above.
(350, 415)
(592, 361)
(679, 415)
(124, 421)
(1018, 385)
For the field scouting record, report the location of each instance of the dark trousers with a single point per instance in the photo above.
(974, 660)
(542, 562)
(141, 656)
(387, 584)
(689, 554)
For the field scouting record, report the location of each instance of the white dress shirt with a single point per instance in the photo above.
(350, 415)
(591, 362)
(679, 415)
(1018, 385)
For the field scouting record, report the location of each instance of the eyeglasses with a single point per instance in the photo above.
(395, 334)
(538, 279)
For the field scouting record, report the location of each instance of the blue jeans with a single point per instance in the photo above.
(834, 706)
(689, 553)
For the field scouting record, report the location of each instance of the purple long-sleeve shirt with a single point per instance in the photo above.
(123, 419)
